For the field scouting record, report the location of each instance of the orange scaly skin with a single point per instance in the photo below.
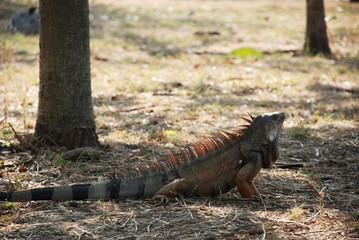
(208, 168)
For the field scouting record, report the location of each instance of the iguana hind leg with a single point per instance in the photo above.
(177, 186)
(246, 174)
(170, 190)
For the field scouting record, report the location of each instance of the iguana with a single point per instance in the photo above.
(210, 167)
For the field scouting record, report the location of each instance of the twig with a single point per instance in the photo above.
(17, 136)
(84, 231)
(264, 232)
(124, 224)
(347, 161)
(30, 236)
(289, 165)
(312, 217)
(164, 94)
(288, 221)
(136, 108)
(315, 188)
(324, 230)
(135, 222)
(190, 213)
(160, 220)
(21, 139)
(234, 218)
(251, 231)
(265, 206)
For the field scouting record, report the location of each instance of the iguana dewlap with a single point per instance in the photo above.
(210, 167)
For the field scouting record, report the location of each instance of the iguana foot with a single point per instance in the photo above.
(253, 188)
(158, 200)
(163, 199)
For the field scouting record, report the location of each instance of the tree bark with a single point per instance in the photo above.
(316, 40)
(65, 112)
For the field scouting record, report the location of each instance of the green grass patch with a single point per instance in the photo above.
(171, 136)
(8, 211)
(60, 162)
(12, 206)
(296, 212)
(247, 52)
(299, 132)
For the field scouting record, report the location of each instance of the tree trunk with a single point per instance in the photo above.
(316, 40)
(65, 112)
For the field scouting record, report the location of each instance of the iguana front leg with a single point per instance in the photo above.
(246, 174)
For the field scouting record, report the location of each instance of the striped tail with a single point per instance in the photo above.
(74, 192)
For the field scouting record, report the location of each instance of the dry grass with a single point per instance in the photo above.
(161, 78)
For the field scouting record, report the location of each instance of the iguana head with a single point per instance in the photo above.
(262, 136)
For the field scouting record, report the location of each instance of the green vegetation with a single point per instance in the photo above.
(299, 132)
(12, 206)
(245, 52)
(296, 212)
(60, 162)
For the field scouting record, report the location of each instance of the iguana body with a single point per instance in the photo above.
(209, 168)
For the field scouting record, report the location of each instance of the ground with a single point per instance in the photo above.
(166, 73)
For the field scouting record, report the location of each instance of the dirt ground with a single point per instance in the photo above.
(166, 73)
